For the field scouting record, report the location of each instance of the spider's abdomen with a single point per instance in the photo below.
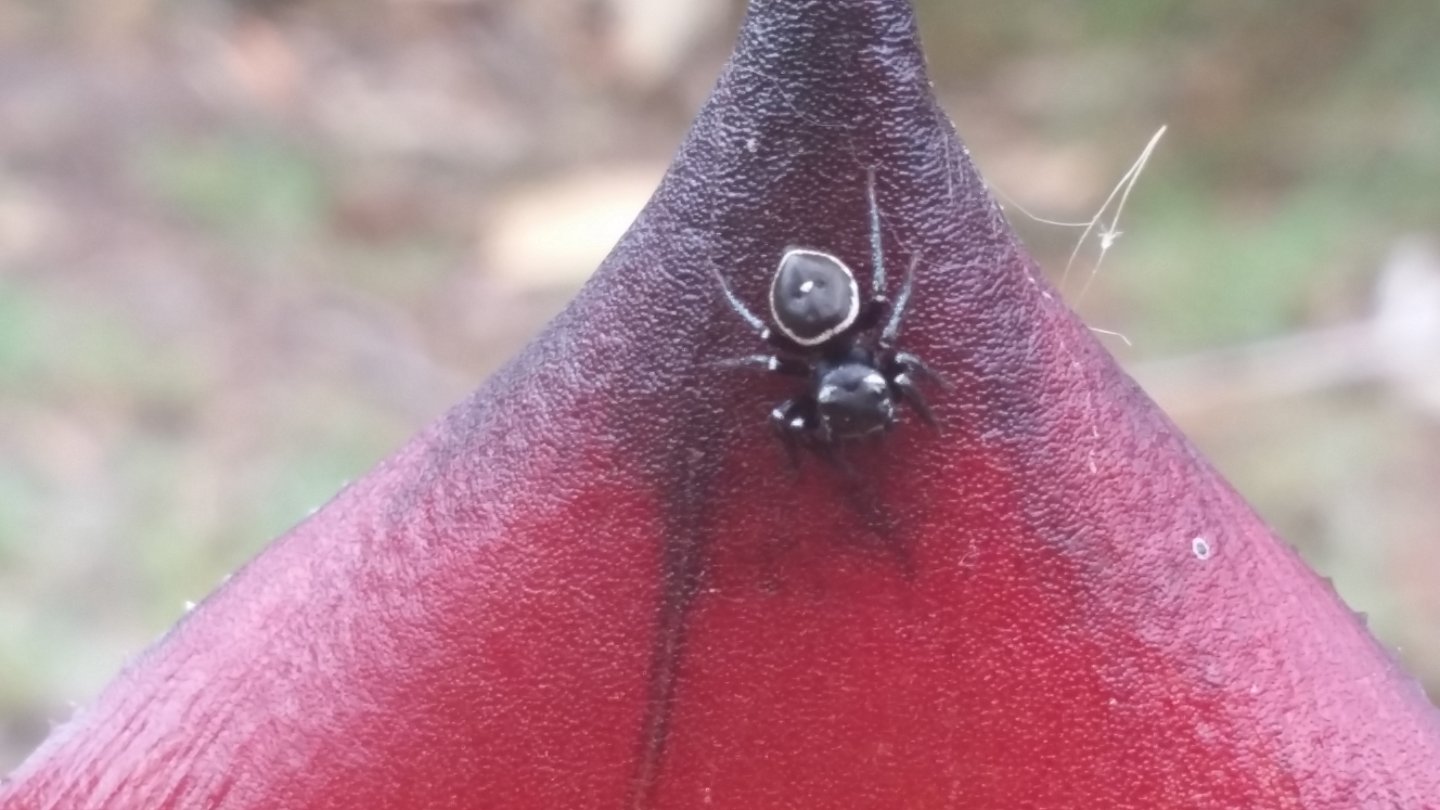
(813, 297)
(853, 400)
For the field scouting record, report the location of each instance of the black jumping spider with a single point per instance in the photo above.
(823, 332)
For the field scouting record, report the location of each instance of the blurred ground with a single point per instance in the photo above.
(247, 248)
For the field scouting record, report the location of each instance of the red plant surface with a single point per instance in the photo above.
(597, 584)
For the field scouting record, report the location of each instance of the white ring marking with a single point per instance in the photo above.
(834, 330)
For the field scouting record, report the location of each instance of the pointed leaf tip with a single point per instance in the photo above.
(597, 583)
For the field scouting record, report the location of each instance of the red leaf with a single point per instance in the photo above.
(597, 584)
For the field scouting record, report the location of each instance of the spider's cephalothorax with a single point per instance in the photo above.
(822, 330)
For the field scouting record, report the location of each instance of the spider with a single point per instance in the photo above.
(823, 332)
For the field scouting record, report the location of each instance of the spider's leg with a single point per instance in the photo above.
(906, 370)
(908, 391)
(918, 370)
(874, 309)
(892, 328)
(740, 308)
(877, 258)
(767, 362)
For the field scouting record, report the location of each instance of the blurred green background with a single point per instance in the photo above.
(247, 248)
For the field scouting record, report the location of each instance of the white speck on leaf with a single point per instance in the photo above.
(1201, 548)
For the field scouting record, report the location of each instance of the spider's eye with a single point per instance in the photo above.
(813, 297)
